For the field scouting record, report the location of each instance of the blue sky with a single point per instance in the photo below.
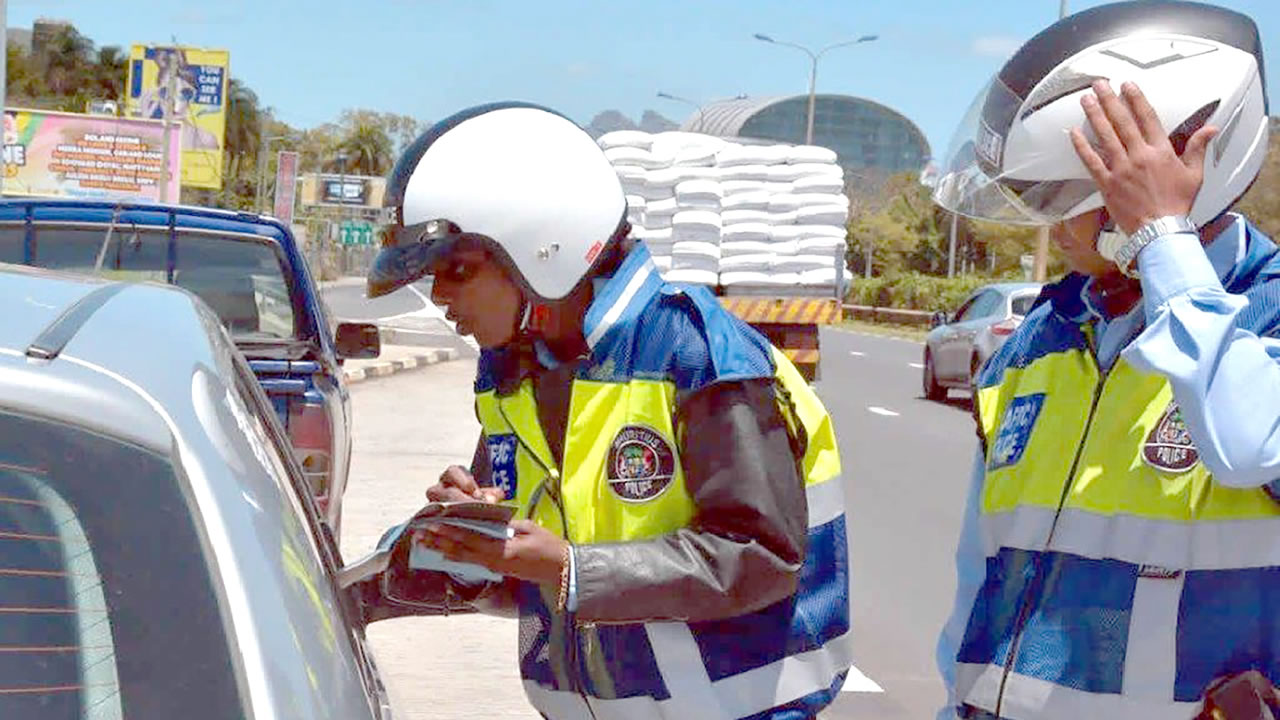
(310, 59)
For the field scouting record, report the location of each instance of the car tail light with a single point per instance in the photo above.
(1004, 327)
(311, 433)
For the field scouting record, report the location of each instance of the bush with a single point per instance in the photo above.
(916, 291)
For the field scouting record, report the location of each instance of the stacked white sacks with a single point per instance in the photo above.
(750, 218)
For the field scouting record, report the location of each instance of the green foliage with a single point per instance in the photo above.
(916, 291)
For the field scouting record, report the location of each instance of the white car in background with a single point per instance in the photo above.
(959, 343)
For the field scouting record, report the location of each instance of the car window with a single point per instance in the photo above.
(107, 608)
(981, 306)
(1022, 304)
(240, 277)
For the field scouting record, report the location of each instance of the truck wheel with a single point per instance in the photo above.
(932, 390)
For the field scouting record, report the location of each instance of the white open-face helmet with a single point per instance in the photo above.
(1012, 159)
(523, 181)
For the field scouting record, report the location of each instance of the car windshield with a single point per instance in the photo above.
(240, 276)
(1022, 304)
(107, 609)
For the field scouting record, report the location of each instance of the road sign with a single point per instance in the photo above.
(355, 232)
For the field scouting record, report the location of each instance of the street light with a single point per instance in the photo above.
(701, 119)
(813, 71)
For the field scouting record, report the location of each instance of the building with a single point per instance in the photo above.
(867, 136)
(45, 32)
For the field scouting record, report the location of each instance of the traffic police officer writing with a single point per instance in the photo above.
(682, 548)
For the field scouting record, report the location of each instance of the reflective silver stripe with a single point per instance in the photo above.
(1151, 653)
(826, 501)
(1200, 545)
(790, 678)
(611, 316)
(1026, 697)
(736, 696)
(679, 661)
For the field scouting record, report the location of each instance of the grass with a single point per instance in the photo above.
(914, 333)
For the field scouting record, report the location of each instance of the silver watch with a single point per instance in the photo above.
(1127, 255)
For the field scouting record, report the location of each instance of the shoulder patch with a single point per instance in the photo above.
(641, 464)
(1015, 430)
(1169, 446)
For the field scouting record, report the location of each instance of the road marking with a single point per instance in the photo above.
(856, 681)
(918, 366)
(431, 310)
(881, 411)
(855, 353)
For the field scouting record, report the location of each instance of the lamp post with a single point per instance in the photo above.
(702, 126)
(814, 57)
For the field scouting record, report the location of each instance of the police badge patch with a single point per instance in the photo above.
(641, 464)
(502, 463)
(1168, 446)
(1015, 430)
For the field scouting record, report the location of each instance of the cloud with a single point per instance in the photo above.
(997, 46)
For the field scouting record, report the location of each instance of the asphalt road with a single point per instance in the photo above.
(906, 462)
(409, 311)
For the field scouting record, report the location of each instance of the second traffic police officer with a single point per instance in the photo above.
(683, 552)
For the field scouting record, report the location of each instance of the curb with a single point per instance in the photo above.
(429, 356)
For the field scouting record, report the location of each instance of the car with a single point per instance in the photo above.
(163, 555)
(959, 343)
(250, 270)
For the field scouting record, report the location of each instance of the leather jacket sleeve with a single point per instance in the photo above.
(745, 545)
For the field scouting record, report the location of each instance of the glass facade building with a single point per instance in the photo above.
(866, 135)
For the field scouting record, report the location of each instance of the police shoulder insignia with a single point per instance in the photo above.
(1015, 430)
(502, 462)
(641, 464)
(1168, 446)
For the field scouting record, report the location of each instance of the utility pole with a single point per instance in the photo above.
(171, 89)
(4, 69)
(951, 253)
(1042, 236)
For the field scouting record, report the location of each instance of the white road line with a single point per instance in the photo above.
(917, 366)
(856, 681)
(881, 411)
(855, 353)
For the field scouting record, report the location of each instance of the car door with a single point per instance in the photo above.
(965, 330)
(944, 357)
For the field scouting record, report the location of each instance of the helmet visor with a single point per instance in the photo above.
(981, 181)
(409, 252)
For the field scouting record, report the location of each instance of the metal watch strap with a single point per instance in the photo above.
(1127, 255)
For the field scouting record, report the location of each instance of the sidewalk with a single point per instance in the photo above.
(395, 359)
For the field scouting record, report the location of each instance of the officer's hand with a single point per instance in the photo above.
(534, 554)
(1136, 168)
(458, 484)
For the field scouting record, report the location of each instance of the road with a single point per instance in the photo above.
(906, 463)
(409, 311)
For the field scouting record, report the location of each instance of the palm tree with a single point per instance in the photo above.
(65, 60)
(367, 147)
(244, 121)
(111, 72)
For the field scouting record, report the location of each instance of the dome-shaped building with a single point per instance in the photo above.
(865, 134)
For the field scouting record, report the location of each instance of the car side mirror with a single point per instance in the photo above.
(383, 585)
(939, 318)
(358, 341)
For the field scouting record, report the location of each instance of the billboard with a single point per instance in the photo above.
(199, 79)
(54, 154)
(358, 191)
(286, 185)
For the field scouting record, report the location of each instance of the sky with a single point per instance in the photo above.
(310, 59)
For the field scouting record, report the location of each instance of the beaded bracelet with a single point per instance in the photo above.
(563, 600)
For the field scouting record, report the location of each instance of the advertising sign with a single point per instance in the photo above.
(286, 185)
(55, 154)
(199, 81)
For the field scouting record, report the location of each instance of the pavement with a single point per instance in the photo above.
(906, 468)
(396, 359)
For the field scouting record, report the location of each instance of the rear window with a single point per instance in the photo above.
(240, 277)
(107, 609)
(1022, 304)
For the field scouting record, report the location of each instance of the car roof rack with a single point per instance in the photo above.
(50, 342)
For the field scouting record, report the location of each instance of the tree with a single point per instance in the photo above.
(110, 73)
(65, 60)
(367, 146)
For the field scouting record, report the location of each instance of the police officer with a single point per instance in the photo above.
(1121, 549)
(681, 550)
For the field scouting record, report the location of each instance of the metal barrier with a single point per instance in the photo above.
(888, 315)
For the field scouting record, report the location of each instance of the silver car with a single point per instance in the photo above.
(160, 553)
(959, 343)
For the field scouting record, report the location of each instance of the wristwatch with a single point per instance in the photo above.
(1127, 256)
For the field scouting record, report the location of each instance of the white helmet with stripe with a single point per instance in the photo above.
(1012, 159)
(528, 183)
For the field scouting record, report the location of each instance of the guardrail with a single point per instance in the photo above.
(889, 315)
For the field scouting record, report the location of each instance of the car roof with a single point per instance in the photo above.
(141, 213)
(91, 352)
(1012, 288)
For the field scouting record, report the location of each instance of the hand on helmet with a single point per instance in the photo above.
(1136, 168)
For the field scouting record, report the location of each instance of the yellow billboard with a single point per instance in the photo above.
(198, 79)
